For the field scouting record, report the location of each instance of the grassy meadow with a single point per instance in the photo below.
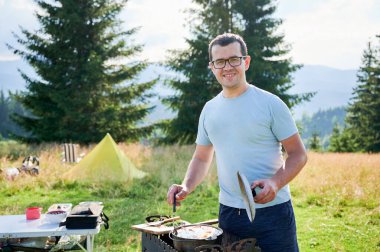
(336, 197)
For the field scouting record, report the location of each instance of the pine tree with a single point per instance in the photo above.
(346, 141)
(197, 85)
(363, 116)
(315, 142)
(82, 91)
(271, 69)
(335, 142)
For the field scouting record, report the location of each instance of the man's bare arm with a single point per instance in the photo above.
(196, 172)
(294, 163)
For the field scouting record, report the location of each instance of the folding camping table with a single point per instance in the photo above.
(16, 226)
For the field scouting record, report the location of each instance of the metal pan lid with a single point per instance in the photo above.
(246, 193)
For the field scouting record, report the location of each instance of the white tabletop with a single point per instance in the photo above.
(16, 226)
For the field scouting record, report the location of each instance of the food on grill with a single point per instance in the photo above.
(199, 232)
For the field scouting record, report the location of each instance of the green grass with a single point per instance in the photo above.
(331, 226)
(327, 220)
(124, 206)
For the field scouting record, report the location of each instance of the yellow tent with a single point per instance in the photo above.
(105, 162)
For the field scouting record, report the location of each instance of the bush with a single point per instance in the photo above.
(13, 150)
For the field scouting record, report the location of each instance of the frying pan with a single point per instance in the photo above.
(189, 245)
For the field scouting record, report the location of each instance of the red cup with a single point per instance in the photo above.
(33, 213)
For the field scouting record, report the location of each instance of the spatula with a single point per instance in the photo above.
(174, 209)
(159, 223)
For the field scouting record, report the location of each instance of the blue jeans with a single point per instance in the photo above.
(273, 227)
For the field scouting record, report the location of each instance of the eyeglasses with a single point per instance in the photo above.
(233, 61)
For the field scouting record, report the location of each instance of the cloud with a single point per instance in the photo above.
(23, 4)
(162, 25)
(333, 33)
(324, 32)
(12, 15)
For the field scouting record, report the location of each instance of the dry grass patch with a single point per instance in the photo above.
(343, 176)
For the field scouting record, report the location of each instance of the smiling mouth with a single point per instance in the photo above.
(229, 75)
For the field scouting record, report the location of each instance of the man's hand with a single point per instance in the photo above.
(268, 192)
(180, 191)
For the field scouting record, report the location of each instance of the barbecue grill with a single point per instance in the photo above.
(230, 243)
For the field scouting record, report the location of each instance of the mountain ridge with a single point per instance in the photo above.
(333, 86)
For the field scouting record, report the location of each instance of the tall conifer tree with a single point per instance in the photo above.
(252, 20)
(196, 84)
(82, 91)
(363, 117)
(271, 69)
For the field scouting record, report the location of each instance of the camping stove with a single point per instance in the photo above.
(152, 243)
(162, 243)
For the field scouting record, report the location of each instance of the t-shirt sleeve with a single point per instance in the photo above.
(283, 125)
(202, 137)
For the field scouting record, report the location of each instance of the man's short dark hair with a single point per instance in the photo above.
(226, 39)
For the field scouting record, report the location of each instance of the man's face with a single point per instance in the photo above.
(229, 76)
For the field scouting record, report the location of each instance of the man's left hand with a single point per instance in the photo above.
(268, 192)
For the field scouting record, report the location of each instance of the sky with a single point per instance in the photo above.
(332, 33)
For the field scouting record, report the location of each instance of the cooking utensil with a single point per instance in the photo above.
(208, 222)
(189, 245)
(174, 203)
(55, 216)
(159, 223)
(61, 206)
(158, 217)
(247, 194)
(174, 208)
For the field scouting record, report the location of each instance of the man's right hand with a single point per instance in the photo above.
(180, 193)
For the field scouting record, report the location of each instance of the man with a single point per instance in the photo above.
(246, 127)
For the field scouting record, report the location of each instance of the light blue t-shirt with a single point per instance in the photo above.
(245, 132)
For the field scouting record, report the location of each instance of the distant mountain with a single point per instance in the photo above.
(10, 78)
(333, 86)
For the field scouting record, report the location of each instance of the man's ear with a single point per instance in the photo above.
(247, 62)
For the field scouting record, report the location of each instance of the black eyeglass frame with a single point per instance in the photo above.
(225, 61)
